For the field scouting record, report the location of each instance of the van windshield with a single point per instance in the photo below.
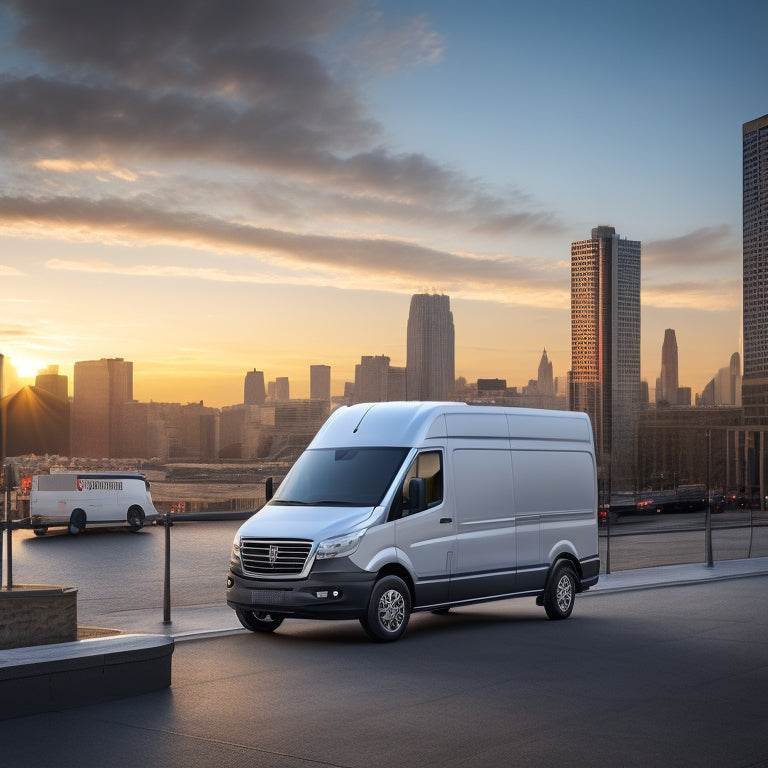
(353, 477)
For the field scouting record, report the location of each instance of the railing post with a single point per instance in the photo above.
(9, 540)
(167, 579)
(708, 523)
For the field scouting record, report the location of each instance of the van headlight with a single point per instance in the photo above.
(235, 557)
(339, 546)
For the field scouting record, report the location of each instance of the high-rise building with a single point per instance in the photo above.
(431, 348)
(49, 380)
(667, 385)
(605, 347)
(254, 392)
(100, 388)
(320, 382)
(371, 379)
(282, 389)
(545, 383)
(755, 271)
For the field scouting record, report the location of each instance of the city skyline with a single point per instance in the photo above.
(269, 191)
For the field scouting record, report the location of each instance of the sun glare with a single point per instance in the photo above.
(26, 367)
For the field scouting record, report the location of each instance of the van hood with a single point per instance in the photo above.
(279, 521)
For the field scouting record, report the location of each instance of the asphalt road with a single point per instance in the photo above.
(673, 676)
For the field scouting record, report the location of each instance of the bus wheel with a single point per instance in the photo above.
(40, 531)
(258, 621)
(135, 518)
(560, 592)
(77, 522)
(388, 610)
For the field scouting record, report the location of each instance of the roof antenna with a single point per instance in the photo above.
(361, 418)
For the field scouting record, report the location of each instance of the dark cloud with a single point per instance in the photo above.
(369, 257)
(706, 246)
(167, 42)
(217, 84)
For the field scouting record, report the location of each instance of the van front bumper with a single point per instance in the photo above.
(329, 592)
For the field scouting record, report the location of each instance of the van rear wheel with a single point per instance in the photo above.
(560, 592)
(135, 518)
(258, 621)
(76, 522)
(389, 610)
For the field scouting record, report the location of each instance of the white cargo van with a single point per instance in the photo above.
(77, 499)
(402, 507)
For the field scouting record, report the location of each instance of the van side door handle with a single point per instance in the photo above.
(446, 519)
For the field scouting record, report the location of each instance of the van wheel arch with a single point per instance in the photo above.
(560, 590)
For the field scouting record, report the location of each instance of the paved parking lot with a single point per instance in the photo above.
(667, 676)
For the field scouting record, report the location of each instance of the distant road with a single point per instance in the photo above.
(115, 570)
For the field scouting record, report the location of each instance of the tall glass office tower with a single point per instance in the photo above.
(605, 347)
(430, 367)
(755, 277)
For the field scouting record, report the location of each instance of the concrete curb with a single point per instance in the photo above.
(47, 678)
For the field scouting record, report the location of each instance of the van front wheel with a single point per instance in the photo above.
(560, 592)
(389, 610)
(258, 621)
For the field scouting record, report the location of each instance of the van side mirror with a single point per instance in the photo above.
(417, 495)
(268, 493)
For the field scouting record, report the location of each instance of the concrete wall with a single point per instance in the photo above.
(37, 615)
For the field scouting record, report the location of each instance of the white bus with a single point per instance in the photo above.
(77, 499)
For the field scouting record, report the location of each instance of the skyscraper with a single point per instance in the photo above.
(254, 392)
(605, 346)
(100, 387)
(430, 365)
(371, 379)
(755, 277)
(49, 380)
(667, 386)
(320, 382)
(545, 382)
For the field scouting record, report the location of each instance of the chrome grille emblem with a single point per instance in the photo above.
(272, 554)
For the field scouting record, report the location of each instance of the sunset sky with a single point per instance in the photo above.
(204, 187)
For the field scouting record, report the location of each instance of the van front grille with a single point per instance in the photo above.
(274, 557)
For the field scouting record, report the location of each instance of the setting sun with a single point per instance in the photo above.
(26, 367)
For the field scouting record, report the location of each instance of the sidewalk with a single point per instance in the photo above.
(197, 622)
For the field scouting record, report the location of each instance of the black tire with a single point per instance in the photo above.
(135, 518)
(560, 592)
(259, 621)
(76, 522)
(389, 610)
(40, 531)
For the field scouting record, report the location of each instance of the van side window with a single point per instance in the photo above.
(428, 465)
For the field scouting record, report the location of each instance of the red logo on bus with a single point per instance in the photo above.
(79, 483)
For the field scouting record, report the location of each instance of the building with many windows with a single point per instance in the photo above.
(604, 380)
(755, 277)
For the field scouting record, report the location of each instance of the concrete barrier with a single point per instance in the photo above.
(47, 678)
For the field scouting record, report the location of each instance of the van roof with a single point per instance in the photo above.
(405, 424)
